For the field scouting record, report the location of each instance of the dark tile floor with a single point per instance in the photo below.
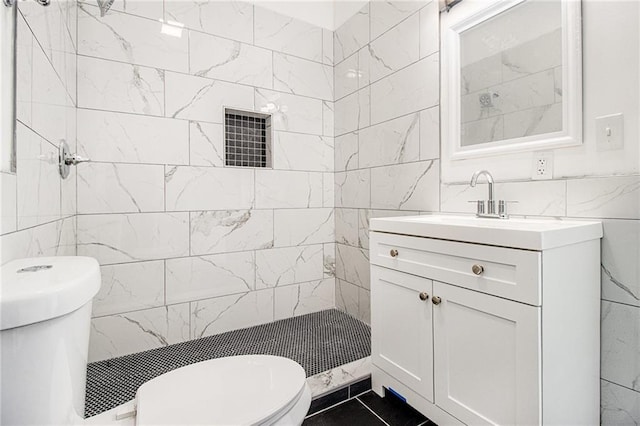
(369, 409)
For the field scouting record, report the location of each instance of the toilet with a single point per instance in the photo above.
(45, 314)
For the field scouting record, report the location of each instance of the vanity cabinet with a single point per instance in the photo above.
(478, 334)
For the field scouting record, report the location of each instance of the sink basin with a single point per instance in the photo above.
(530, 234)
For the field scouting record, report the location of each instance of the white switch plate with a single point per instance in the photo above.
(542, 166)
(610, 132)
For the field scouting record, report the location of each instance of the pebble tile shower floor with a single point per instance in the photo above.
(319, 342)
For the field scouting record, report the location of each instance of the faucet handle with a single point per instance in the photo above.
(502, 208)
(479, 206)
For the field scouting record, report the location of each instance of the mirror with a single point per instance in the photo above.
(512, 78)
(7, 89)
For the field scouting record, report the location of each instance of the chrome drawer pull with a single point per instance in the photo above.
(477, 269)
(436, 300)
(393, 253)
(424, 296)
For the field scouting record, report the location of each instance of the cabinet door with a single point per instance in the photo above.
(487, 358)
(401, 328)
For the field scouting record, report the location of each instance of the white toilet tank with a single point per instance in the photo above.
(45, 315)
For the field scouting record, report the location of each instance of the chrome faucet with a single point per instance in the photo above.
(491, 203)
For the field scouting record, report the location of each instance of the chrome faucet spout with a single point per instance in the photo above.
(474, 181)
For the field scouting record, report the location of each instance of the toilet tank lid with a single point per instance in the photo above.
(43, 288)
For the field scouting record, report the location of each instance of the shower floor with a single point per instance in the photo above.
(319, 342)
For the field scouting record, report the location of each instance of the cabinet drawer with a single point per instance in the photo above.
(510, 273)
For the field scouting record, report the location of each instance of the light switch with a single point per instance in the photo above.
(610, 132)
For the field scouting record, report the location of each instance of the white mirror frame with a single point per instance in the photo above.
(571, 134)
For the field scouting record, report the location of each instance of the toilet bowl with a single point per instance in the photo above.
(45, 313)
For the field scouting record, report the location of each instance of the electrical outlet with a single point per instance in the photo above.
(542, 166)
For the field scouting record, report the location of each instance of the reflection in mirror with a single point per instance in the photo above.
(511, 74)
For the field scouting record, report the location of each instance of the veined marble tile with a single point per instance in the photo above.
(122, 238)
(527, 92)
(620, 344)
(24, 66)
(533, 198)
(412, 89)
(230, 19)
(329, 260)
(364, 217)
(480, 75)
(364, 67)
(193, 278)
(120, 87)
(429, 29)
(346, 152)
(328, 118)
(289, 265)
(129, 287)
(618, 405)
(206, 144)
(347, 297)
(557, 84)
(295, 300)
(353, 189)
(127, 38)
(231, 230)
(302, 77)
(346, 76)
(482, 131)
(296, 151)
(430, 133)
(534, 121)
(131, 332)
(541, 53)
(9, 206)
(208, 188)
(352, 35)
(328, 190)
(620, 267)
(114, 137)
(37, 178)
(327, 47)
(294, 227)
(353, 112)
(338, 377)
(392, 142)
(120, 188)
(347, 226)
(226, 313)
(413, 186)
(395, 49)
(352, 265)
(288, 35)
(610, 197)
(287, 189)
(203, 99)
(147, 9)
(290, 112)
(364, 306)
(387, 14)
(229, 60)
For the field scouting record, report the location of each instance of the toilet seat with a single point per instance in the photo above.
(238, 390)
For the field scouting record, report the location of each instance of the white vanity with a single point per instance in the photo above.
(484, 321)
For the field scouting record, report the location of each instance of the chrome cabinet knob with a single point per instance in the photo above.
(436, 300)
(393, 253)
(424, 296)
(477, 269)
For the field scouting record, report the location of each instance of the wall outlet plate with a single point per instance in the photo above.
(542, 167)
(610, 132)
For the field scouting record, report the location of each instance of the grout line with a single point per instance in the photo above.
(374, 413)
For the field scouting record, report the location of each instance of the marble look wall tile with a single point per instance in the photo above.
(364, 67)
(122, 238)
(202, 99)
(540, 198)
(193, 278)
(527, 92)
(611, 197)
(352, 35)
(395, 49)
(329, 259)
(226, 313)
(620, 267)
(412, 89)
(120, 188)
(620, 344)
(480, 75)
(295, 151)
(353, 189)
(328, 118)
(230, 19)
(347, 297)
(120, 87)
(131, 332)
(328, 190)
(482, 131)
(302, 77)
(413, 186)
(430, 133)
(9, 203)
(288, 35)
(352, 265)
(347, 226)
(192, 188)
(294, 227)
(353, 112)
(231, 230)
(130, 287)
(346, 152)
(127, 38)
(51, 239)
(147, 9)
(229, 60)
(534, 121)
(557, 84)
(206, 144)
(289, 265)
(336, 378)
(129, 138)
(286, 189)
(541, 53)
(387, 14)
(392, 142)
(346, 76)
(300, 299)
(429, 29)
(327, 47)
(24, 75)
(618, 405)
(290, 112)
(364, 306)
(365, 216)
